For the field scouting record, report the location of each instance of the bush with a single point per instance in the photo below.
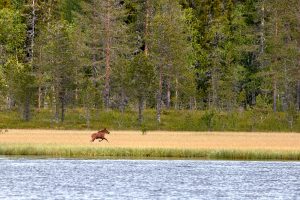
(208, 119)
(175, 120)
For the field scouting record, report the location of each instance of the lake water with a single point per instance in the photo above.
(23, 178)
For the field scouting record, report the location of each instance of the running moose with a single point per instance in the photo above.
(99, 135)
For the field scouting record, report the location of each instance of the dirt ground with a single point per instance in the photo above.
(158, 139)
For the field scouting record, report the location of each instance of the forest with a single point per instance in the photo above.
(217, 57)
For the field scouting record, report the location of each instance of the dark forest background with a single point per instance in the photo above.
(215, 57)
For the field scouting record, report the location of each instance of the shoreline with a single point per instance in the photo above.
(145, 153)
(154, 144)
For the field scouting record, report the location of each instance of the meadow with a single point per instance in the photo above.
(153, 144)
(247, 135)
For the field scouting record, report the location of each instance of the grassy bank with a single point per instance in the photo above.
(179, 120)
(154, 144)
(90, 152)
(156, 139)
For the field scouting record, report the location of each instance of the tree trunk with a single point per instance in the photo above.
(87, 116)
(56, 115)
(159, 96)
(176, 94)
(191, 103)
(107, 57)
(39, 97)
(87, 106)
(275, 96)
(26, 111)
(62, 101)
(33, 25)
(146, 50)
(31, 34)
(45, 104)
(209, 100)
(141, 101)
(122, 103)
(262, 29)
(253, 98)
(298, 96)
(285, 98)
(214, 89)
(29, 57)
(10, 102)
(168, 103)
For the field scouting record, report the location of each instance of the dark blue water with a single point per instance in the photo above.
(147, 179)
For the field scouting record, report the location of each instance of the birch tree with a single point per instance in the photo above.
(17, 73)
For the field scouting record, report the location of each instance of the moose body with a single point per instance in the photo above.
(99, 135)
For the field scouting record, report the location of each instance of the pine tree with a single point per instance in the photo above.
(58, 65)
(281, 54)
(141, 81)
(168, 48)
(106, 31)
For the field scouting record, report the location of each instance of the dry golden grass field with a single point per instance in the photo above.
(158, 139)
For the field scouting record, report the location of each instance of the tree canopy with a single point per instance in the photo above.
(163, 54)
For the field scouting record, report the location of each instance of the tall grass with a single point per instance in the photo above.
(93, 152)
(173, 120)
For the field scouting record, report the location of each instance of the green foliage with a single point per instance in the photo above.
(144, 129)
(193, 54)
(172, 120)
(292, 116)
(12, 32)
(16, 80)
(208, 119)
(68, 9)
(59, 63)
(142, 77)
(5, 4)
(2, 80)
(19, 79)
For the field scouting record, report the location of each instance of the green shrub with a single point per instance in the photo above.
(209, 119)
(174, 120)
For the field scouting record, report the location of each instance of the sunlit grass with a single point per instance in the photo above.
(156, 139)
(255, 155)
(92, 152)
(154, 144)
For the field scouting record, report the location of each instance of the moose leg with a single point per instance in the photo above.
(100, 140)
(105, 139)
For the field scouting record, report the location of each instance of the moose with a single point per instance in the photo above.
(100, 135)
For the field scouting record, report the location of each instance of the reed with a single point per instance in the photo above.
(254, 155)
(100, 152)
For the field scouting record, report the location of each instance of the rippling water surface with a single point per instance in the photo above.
(147, 179)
